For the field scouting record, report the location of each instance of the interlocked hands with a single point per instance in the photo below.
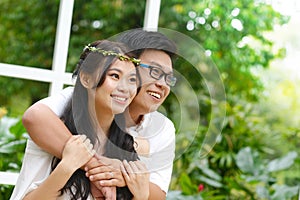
(106, 172)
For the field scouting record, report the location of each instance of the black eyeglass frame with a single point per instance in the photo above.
(171, 81)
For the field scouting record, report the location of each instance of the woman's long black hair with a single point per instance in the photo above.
(78, 119)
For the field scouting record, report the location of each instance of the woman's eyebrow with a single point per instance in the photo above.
(115, 69)
(133, 73)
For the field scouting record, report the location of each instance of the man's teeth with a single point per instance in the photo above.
(119, 98)
(156, 95)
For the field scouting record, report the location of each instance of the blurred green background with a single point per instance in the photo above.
(254, 47)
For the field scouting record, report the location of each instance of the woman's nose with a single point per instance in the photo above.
(123, 85)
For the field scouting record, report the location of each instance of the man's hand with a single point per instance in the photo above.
(105, 172)
(105, 193)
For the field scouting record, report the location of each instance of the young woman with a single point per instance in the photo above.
(106, 84)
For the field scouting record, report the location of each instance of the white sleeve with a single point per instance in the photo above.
(163, 158)
(58, 102)
(36, 167)
(162, 152)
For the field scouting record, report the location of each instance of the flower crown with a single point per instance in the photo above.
(120, 56)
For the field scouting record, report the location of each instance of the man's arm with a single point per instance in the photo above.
(46, 129)
(156, 193)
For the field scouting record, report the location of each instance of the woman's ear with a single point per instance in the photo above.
(86, 80)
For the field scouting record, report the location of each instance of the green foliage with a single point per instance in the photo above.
(229, 171)
(258, 175)
(12, 146)
(186, 184)
(177, 195)
(233, 171)
(231, 49)
(29, 30)
(255, 178)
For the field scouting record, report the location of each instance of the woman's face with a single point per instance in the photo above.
(118, 88)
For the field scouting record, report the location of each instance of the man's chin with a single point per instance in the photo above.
(153, 108)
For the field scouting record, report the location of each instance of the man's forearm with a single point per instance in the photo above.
(156, 193)
(46, 129)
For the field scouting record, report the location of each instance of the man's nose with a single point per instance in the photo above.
(161, 82)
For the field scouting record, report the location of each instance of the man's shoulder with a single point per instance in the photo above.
(158, 116)
(158, 122)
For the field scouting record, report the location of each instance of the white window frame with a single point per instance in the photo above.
(56, 76)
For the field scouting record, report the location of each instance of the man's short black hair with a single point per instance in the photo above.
(139, 40)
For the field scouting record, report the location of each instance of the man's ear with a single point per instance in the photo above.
(86, 80)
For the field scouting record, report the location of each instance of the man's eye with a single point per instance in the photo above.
(156, 71)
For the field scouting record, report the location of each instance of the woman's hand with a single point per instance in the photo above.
(77, 151)
(136, 176)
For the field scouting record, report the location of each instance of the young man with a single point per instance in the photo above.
(154, 133)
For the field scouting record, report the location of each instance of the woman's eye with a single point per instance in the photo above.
(132, 80)
(116, 76)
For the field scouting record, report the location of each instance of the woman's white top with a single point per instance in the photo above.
(35, 169)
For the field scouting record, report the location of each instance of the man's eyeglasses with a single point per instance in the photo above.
(157, 73)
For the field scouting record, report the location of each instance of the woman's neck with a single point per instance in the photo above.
(104, 122)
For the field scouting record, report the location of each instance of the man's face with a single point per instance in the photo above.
(153, 92)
